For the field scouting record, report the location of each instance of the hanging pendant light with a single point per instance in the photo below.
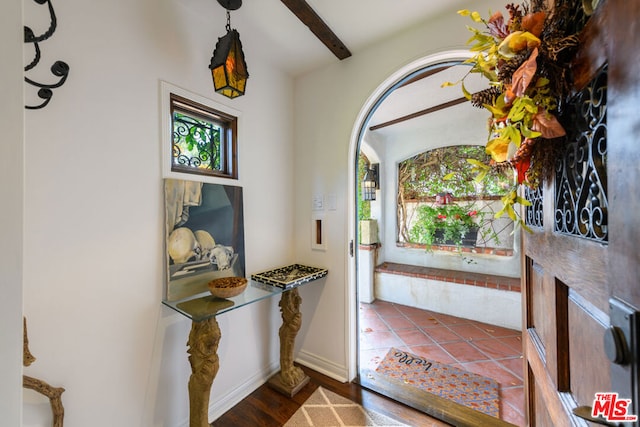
(228, 67)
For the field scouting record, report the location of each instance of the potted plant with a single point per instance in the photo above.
(446, 224)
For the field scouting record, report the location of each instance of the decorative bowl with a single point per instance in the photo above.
(227, 287)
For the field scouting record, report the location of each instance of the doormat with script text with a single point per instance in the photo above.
(463, 387)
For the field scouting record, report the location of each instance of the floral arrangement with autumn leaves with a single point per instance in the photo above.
(526, 58)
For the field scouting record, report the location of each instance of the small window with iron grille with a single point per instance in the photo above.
(203, 140)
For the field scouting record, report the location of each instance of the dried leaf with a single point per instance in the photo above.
(547, 125)
(509, 96)
(478, 164)
(497, 27)
(476, 17)
(523, 76)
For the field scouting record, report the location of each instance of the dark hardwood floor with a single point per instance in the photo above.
(266, 407)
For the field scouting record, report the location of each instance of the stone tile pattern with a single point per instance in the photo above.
(484, 349)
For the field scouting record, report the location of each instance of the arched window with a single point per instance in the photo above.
(440, 201)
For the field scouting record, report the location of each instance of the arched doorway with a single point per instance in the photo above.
(427, 66)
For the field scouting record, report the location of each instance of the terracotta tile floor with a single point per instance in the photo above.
(481, 348)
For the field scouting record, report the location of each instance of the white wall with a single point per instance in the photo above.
(93, 214)
(11, 194)
(93, 267)
(328, 103)
(477, 304)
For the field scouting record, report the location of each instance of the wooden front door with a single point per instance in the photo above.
(581, 264)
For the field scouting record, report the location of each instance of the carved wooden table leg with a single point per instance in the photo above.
(203, 357)
(53, 393)
(291, 378)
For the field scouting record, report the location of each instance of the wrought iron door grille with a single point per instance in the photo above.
(534, 213)
(581, 178)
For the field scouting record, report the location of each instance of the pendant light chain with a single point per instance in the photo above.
(228, 66)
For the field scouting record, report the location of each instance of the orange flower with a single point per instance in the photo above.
(516, 42)
(534, 23)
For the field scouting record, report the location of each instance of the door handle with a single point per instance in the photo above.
(584, 412)
(622, 348)
(616, 346)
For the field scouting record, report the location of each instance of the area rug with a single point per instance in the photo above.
(325, 408)
(466, 388)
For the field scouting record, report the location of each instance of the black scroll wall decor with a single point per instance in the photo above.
(59, 69)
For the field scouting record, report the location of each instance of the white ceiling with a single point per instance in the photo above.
(284, 40)
(424, 94)
(361, 23)
(289, 43)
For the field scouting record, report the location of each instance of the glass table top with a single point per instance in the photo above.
(204, 305)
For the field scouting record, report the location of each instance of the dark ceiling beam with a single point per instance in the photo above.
(421, 76)
(310, 18)
(419, 113)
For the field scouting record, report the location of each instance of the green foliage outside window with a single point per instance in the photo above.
(447, 170)
(196, 143)
(364, 206)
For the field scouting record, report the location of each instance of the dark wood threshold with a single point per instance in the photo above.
(443, 409)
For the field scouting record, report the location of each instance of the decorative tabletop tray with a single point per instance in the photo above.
(289, 276)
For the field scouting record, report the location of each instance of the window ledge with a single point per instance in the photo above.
(480, 250)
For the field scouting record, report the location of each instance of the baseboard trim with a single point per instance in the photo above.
(323, 365)
(228, 400)
(235, 396)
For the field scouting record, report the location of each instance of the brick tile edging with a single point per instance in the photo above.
(453, 276)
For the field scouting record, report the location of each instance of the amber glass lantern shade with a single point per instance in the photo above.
(228, 67)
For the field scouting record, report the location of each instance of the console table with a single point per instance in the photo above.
(205, 335)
